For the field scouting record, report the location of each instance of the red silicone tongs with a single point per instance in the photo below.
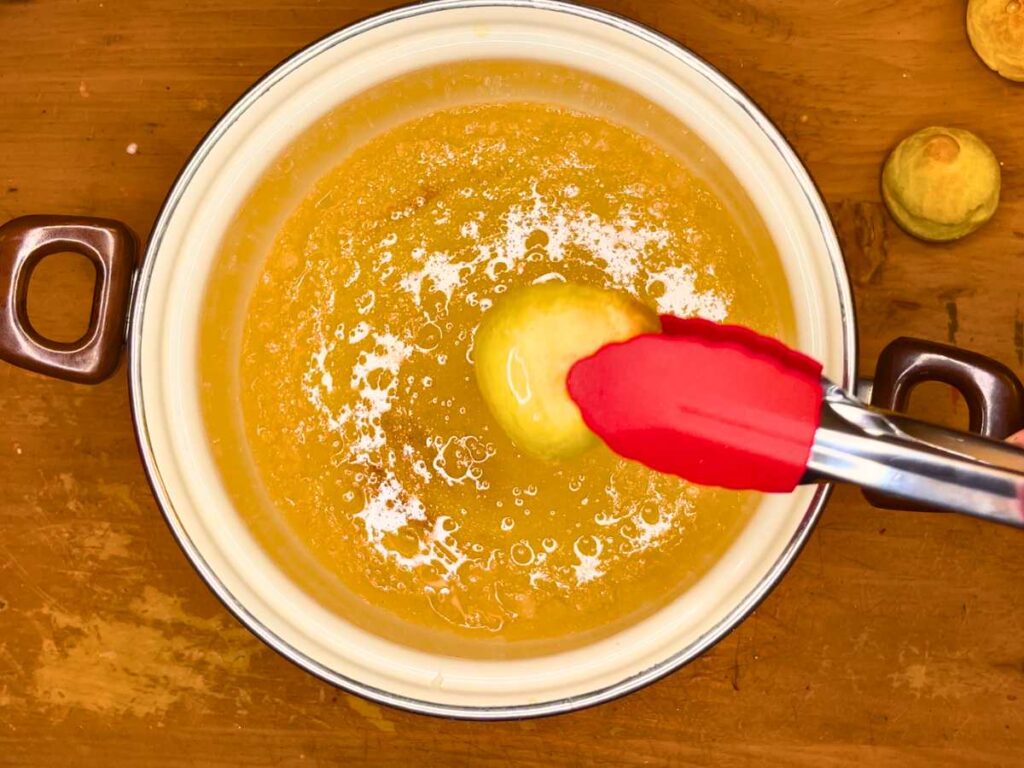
(722, 405)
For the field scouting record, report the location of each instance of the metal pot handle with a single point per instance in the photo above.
(111, 246)
(994, 394)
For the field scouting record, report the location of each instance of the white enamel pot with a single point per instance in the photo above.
(165, 296)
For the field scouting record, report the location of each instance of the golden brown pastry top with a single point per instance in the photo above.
(941, 183)
(996, 30)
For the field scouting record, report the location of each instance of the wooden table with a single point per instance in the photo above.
(897, 638)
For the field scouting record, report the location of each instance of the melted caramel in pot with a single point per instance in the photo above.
(372, 470)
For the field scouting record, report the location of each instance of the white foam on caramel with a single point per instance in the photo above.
(388, 509)
(388, 505)
(440, 271)
(458, 459)
(618, 243)
(679, 295)
(382, 363)
(588, 564)
(550, 229)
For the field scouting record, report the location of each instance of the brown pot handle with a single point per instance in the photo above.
(111, 247)
(994, 394)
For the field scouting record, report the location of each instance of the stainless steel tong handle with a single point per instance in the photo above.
(939, 467)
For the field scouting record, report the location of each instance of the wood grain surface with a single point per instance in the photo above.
(896, 639)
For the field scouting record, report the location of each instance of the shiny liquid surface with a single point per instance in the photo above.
(358, 402)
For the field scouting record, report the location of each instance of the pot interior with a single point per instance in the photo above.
(206, 255)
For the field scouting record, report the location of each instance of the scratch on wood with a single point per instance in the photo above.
(736, 668)
(1018, 336)
(46, 596)
(11, 660)
(104, 543)
(770, 24)
(371, 713)
(953, 321)
(907, 305)
(861, 227)
(141, 665)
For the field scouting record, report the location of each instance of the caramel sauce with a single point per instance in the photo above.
(339, 392)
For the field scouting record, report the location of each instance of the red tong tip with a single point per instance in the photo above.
(715, 404)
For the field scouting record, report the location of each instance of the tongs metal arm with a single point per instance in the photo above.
(942, 468)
